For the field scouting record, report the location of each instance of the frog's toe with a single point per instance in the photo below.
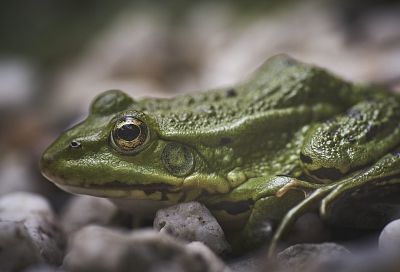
(326, 202)
(255, 235)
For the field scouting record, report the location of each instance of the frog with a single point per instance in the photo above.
(288, 139)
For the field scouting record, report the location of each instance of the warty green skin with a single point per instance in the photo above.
(261, 152)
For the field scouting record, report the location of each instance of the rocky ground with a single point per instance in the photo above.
(91, 235)
(147, 52)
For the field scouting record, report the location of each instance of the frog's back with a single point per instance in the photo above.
(281, 86)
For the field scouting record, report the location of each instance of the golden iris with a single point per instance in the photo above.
(129, 134)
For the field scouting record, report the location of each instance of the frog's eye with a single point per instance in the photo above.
(129, 135)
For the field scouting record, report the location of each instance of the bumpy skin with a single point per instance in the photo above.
(257, 154)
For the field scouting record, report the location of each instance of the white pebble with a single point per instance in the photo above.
(192, 221)
(389, 240)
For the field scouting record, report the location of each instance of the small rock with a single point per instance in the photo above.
(255, 262)
(17, 248)
(81, 211)
(99, 249)
(313, 257)
(43, 268)
(192, 221)
(201, 251)
(366, 261)
(309, 228)
(389, 240)
(30, 218)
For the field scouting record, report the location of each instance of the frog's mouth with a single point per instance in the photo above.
(146, 188)
(117, 189)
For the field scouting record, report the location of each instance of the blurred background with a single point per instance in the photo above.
(55, 56)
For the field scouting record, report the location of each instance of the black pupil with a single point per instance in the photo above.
(128, 132)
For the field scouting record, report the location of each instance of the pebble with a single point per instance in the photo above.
(366, 261)
(27, 221)
(192, 221)
(81, 211)
(255, 261)
(43, 268)
(309, 228)
(313, 257)
(203, 252)
(389, 239)
(17, 248)
(95, 248)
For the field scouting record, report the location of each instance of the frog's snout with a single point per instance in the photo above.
(46, 163)
(50, 161)
(46, 160)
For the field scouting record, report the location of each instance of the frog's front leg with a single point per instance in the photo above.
(273, 197)
(264, 218)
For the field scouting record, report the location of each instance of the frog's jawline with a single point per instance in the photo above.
(143, 207)
(115, 188)
(146, 188)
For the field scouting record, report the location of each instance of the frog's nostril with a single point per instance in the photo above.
(47, 159)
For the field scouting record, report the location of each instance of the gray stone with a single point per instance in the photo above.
(313, 257)
(389, 239)
(309, 228)
(192, 221)
(81, 211)
(254, 262)
(17, 248)
(32, 221)
(203, 252)
(96, 248)
(43, 268)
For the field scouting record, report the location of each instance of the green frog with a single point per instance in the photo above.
(290, 139)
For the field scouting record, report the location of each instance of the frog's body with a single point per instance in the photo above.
(267, 149)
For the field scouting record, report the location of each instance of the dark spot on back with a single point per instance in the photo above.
(372, 131)
(231, 93)
(190, 101)
(305, 158)
(350, 139)
(225, 141)
(354, 113)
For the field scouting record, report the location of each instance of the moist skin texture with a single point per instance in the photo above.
(290, 138)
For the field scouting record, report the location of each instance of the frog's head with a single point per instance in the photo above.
(117, 152)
